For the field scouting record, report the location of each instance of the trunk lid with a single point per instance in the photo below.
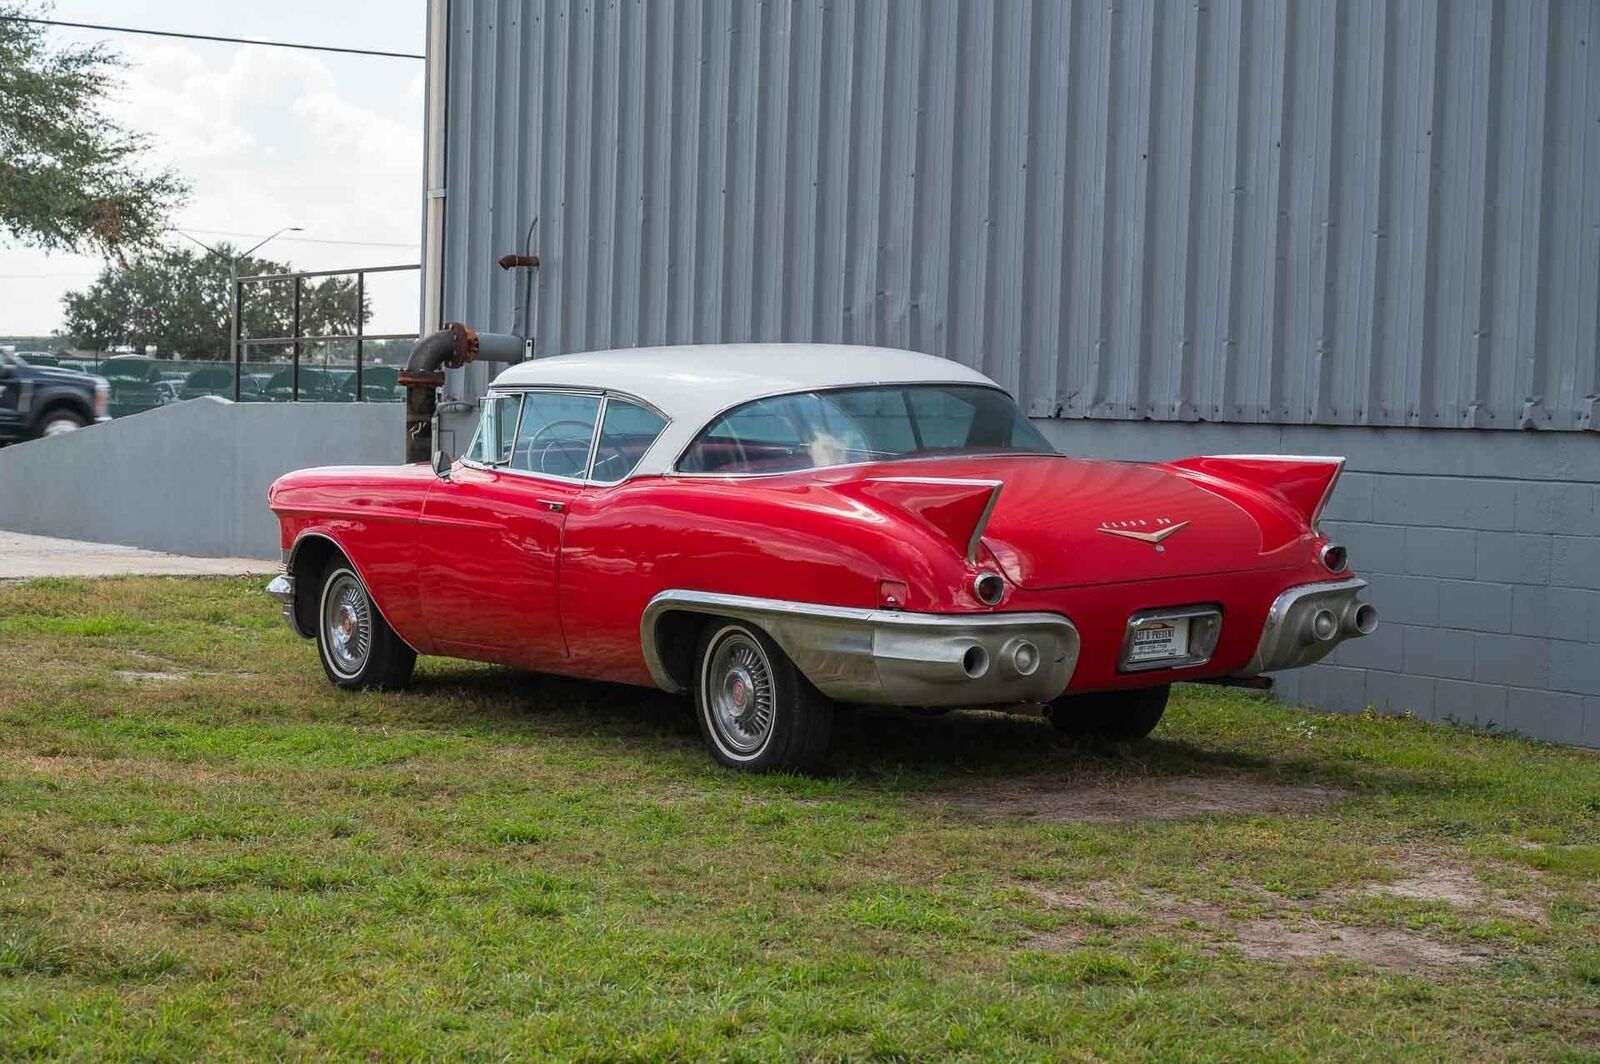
(1062, 522)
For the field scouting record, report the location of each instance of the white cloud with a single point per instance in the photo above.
(266, 137)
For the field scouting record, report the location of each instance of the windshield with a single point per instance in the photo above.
(813, 430)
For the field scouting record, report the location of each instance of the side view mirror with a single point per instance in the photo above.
(442, 461)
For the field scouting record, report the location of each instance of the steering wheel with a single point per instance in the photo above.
(544, 455)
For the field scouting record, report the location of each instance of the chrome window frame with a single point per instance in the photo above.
(600, 427)
(601, 394)
(673, 469)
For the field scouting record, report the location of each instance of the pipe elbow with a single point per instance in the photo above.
(452, 346)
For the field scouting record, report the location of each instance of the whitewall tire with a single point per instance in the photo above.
(756, 712)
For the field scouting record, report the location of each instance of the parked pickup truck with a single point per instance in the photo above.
(40, 401)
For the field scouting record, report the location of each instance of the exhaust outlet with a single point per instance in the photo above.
(1320, 627)
(1360, 618)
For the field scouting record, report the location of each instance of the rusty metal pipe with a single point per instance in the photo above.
(451, 347)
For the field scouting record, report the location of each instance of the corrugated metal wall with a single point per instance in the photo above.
(1235, 210)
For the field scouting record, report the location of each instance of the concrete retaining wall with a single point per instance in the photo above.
(191, 477)
(1483, 552)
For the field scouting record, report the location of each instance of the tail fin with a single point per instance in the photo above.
(956, 509)
(1303, 482)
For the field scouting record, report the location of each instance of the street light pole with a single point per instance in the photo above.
(235, 311)
(234, 308)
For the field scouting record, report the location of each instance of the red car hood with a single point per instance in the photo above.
(1062, 522)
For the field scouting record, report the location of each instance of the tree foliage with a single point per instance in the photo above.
(69, 176)
(177, 301)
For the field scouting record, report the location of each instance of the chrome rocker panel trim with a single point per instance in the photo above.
(1283, 644)
(889, 657)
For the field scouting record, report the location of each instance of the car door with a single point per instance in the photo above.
(491, 533)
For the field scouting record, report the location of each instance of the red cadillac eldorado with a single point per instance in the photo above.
(778, 528)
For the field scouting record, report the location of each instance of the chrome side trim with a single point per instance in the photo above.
(890, 657)
(1284, 644)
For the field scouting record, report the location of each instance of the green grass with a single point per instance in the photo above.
(231, 859)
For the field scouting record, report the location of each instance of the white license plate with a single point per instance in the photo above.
(1159, 640)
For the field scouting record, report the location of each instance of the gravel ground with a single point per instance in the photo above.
(24, 557)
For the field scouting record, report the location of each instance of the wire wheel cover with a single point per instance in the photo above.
(739, 692)
(346, 624)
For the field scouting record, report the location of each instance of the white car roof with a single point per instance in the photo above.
(693, 384)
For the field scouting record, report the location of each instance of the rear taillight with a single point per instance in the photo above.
(102, 399)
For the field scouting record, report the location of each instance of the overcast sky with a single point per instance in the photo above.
(266, 137)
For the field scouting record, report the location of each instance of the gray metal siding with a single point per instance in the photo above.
(1360, 212)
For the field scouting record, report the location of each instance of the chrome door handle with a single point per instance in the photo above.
(553, 505)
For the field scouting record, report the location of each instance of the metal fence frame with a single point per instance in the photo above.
(298, 339)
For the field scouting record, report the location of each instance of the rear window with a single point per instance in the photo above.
(814, 430)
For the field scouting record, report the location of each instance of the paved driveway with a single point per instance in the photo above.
(23, 557)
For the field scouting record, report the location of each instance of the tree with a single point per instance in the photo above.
(177, 301)
(69, 179)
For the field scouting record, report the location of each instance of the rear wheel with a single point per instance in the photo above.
(1120, 716)
(756, 711)
(357, 646)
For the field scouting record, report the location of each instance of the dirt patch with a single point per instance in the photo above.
(1164, 798)
(1289, 935)
(1382, 947)
(1454, 883)
(137, 676)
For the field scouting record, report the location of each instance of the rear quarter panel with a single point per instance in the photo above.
(800, 541)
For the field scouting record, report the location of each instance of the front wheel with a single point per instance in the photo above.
(756, 711)
(59, 423)
(357, 646)
(1119, 716)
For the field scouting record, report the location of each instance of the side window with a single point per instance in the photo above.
(497, 423)
(626, 433)
(766, 435)
(556, 431)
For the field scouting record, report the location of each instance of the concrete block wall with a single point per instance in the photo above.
(1490, 594)
(1482, 549)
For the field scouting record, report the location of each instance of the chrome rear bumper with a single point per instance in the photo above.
(893, 658)
(1307, 622)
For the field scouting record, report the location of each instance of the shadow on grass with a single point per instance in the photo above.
(877, 747)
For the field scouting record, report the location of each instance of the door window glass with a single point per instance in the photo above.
(497, 426)
(625, 435)
(555, 434)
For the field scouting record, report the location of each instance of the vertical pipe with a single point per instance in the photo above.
(361, 289)
(294, 392)
(438, 70)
